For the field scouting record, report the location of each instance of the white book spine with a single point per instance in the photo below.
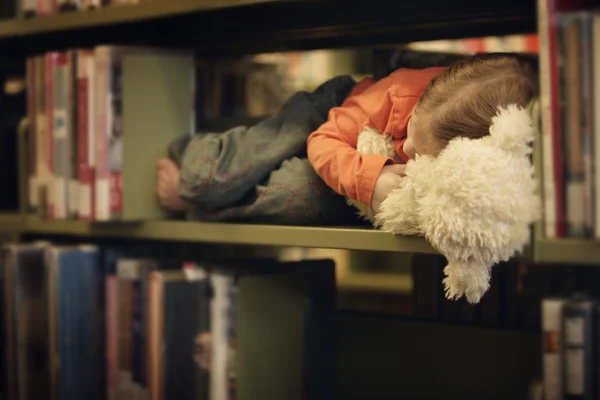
(552, 312)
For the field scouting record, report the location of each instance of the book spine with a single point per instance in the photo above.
(596, 128)
(112, 336)
(124, 379)
(136, 338)
(92, 4)
(219, 338)
(44, 7)
(587, 74)
(155, 337)
(73, 139)
(552, 168)
(115, 132)
(92, 282)
(570, 108)
(143, 324)
(102, 203)
(85, 83)
(51, 61)
(552, 310)
(68, 5)
(41, 142)
(32, 191)
(60, 135)
(28, 8)
(578, 327)
(68, 325)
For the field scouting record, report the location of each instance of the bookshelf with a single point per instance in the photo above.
(207, 25)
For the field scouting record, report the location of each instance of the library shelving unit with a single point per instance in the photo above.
(234, 27)
(284, 25)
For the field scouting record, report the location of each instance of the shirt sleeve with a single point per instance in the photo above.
(332, 148)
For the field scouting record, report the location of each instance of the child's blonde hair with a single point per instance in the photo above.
(461, 101)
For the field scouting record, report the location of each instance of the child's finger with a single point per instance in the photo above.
(398, 169)
(163, 163)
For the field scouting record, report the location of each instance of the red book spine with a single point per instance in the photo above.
(85, 118)
(46, 7)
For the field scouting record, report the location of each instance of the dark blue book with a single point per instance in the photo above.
(76, 321)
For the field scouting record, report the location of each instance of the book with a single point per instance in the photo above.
(179, 340)
(26, 339)
(579, 336)
(76, 310)
(552, 347)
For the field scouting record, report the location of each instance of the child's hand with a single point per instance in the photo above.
(389, 179)
(167, 187)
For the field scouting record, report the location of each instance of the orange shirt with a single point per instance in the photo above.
(384, 105)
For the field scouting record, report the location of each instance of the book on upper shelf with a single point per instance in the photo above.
(100, 120)
(569, 101)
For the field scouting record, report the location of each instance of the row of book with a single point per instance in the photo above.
(30, 8)
(106, 322)
(571, 349)
(570, 103)
(89, 110)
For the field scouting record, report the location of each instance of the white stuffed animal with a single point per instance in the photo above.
(474, 202)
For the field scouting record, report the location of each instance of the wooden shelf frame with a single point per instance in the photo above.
(11, 223)
(567, 251)
(239, 234)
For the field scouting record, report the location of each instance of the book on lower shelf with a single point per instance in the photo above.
(132, 322)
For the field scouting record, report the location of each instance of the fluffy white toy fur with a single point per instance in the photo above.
(474, 202)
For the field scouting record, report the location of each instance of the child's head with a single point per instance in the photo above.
(461, 101)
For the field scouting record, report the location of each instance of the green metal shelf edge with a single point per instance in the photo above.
(242, 234)
(567, 251)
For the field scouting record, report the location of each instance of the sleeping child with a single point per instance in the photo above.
(292, 168)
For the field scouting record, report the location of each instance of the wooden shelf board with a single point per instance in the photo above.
(125, 14)
(242, 234)
(571, 251)
(11, 222)
(9, 28)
